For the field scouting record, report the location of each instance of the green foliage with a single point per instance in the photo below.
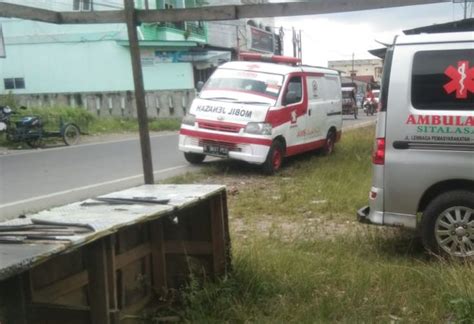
(8, 100)
(117, 124)
(52, 117)
(463, 309)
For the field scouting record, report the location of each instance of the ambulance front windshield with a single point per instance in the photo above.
(243, 86)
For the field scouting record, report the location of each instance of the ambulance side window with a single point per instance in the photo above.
(442, 80)
(294, 91)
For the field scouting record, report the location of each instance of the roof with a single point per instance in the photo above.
(463, 25)
(274, 67)
(435, 38)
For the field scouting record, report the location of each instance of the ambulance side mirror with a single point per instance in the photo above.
(199, 86)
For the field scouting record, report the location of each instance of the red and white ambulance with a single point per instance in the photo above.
(263, 110)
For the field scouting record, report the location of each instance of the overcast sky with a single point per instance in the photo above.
(337, 36)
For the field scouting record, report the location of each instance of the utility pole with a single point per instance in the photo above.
(238, 42)
(352, 72)
(294, 42)
(130, 17)
(300, 47)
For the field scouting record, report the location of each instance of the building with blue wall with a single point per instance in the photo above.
(90, 66)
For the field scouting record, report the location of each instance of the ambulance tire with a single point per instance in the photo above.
(330, 142)
(274, 158)
(194, 158)
(447, 225)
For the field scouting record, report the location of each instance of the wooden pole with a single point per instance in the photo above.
(130, 16)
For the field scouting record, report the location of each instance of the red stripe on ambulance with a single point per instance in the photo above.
(226, 138)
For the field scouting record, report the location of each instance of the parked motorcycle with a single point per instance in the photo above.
(30, 129)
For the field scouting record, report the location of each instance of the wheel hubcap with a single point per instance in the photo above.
(454, 231)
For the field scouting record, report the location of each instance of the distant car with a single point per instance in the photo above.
(349, 105)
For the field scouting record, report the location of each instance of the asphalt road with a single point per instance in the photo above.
(38, 179)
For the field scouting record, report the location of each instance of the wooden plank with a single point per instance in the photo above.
(188, 247)
(147, 161)
(9, 10)
(218, 235)
(132, 255)
(13, 300)
(98, 282)
(93, 17)
(60, 287)
(228, 247)
(135, 308)
(318, 7)
(158, 259)
(211, 13)
(112, 278)
(66, 314)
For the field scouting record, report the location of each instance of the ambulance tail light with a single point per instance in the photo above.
(378, 156)
(246, 56)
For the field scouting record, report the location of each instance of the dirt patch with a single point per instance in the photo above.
(285, 227)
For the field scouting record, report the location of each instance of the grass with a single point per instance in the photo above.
(299, 256)
(88, 122)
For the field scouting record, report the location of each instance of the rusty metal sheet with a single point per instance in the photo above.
(102, 218)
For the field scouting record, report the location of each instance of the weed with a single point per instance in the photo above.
(299, 256)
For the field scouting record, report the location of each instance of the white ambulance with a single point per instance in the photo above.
(262, 110)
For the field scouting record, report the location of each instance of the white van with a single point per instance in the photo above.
(423, 162)
(261, 112)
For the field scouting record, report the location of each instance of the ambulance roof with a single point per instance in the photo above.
(275, 68)
(435, 38)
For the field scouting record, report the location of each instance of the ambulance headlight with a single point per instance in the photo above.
(189, 119)
(258, 128)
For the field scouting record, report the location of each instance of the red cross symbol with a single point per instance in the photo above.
(462, 79)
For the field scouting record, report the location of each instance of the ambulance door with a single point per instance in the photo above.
(317, 110)
(295, 109)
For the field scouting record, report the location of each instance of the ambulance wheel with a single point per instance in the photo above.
(274, 158)
(447, 226)
(194, 158)
(330, 141)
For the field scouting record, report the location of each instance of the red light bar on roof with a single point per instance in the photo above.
(269, 58)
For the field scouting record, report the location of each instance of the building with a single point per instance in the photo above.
(257, 35)
(350, 68)
(90, 66)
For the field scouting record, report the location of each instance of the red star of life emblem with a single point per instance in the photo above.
(462, 79)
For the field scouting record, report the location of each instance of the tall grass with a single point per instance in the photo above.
(332, 269)
(351, 280)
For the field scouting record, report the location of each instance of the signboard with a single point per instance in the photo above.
(2, 44)
(260, 40)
